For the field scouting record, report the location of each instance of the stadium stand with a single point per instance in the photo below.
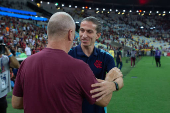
(131, 30)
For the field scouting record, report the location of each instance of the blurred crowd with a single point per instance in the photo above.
(19, 35)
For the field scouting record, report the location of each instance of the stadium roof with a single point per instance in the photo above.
(122, 4)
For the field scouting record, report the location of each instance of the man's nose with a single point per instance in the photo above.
(84, 34)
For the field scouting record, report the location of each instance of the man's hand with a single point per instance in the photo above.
(113, 74)
(103, 89)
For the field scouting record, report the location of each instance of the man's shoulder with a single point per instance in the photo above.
(77, 63)
(73, 49)
(102, 52)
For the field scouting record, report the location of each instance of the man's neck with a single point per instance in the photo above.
(58, 46)
(88, 50)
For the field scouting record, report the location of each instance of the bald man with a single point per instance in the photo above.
(51, 81)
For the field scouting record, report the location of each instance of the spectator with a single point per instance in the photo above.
(23, 55)
(28, 50)
(158, 57)
(133, 57)
(119, 58)
(5, 83)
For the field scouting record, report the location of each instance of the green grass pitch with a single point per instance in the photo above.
(146, 89)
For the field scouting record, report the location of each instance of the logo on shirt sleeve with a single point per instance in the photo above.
(98, 64)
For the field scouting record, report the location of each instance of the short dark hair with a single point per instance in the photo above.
(94, 21)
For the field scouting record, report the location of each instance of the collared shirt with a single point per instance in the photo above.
(100, 62)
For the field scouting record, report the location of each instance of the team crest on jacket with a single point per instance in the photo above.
(98, 64)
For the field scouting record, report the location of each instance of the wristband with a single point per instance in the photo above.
(10, 55)
(117, 86)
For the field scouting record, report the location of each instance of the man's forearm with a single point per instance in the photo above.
(113, 75)
(17, 102)
(13, 62)
(107, 99)
(119, 82)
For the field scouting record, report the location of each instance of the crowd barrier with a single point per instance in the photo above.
(20, 59)
(168, 54)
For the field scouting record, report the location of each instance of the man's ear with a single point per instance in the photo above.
(98, 35)
(70, 35)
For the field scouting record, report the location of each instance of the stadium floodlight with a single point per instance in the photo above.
(82, 7)
(75, 6)
(154, 27)
(110, 9)
(103, 9)
(116, 10)
(157, 11)
(144, 11)
(164, 11)
(62, 5)
(97, 8)
(151, 28)
(137, 11)
(48, 2)
(77, 22)
(41, 2)
(169, 11)
(69, 5)
(130, 11)
(141, 27)
(89, 7)
(124, 10)
(150, 11)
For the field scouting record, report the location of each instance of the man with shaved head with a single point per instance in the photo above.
(51, 81)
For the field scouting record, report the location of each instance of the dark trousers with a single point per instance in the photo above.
(133, 60)
(121, 64)
(3, 105)
(158, 61)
